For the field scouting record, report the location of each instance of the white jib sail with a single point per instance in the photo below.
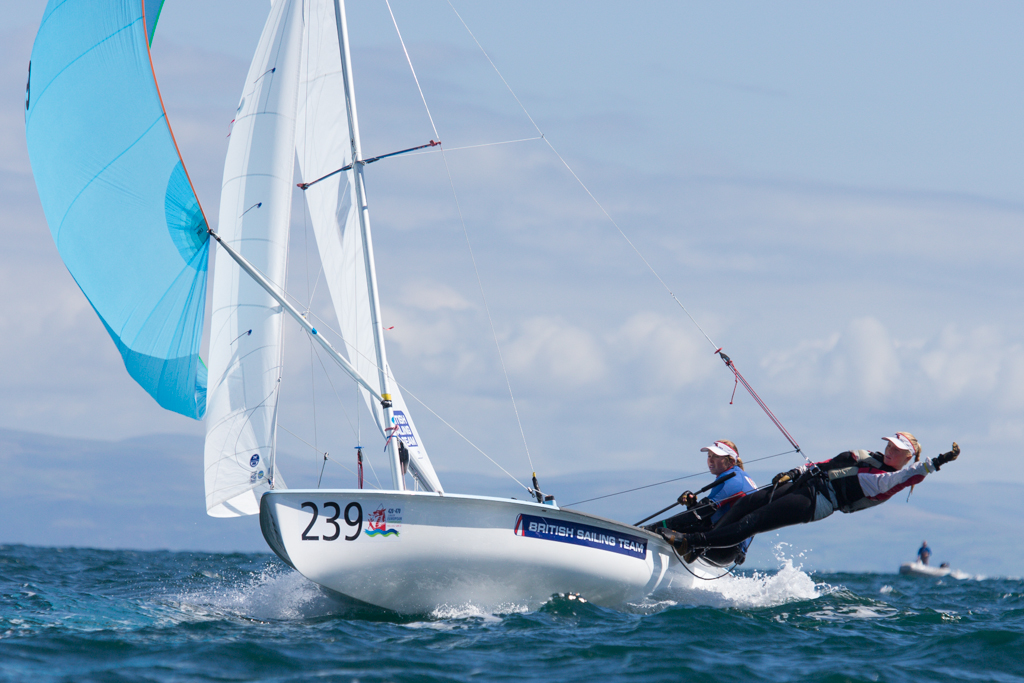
(246, 331)
(322, 144)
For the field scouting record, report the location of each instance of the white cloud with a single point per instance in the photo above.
(874, 368)
(861, 364)
(432, 296)
(422, 336)
(548, 347)
(966, 365)
(668, 350)
(865, 361)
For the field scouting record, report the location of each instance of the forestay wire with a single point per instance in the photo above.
(465, 232)
(718, 350)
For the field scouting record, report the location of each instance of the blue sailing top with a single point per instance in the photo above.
(117, 198)
(741, 483)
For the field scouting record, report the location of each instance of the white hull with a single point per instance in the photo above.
(426, 551)
(918, 569)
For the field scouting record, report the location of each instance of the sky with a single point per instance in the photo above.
(833, 192)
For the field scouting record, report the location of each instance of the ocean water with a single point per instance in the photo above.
(114, 615)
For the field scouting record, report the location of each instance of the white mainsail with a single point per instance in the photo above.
(246, 324)
(323, 144)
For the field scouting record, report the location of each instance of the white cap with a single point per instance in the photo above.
(721, 448)
(901, 442)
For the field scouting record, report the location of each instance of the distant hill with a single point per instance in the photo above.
(147, 493)
(142, 493)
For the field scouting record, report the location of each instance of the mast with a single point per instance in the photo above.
(364, 227)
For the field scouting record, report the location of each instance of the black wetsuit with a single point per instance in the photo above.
(699, 519)
(757, 513)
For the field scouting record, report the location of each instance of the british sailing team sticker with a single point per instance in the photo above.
(384, 521)
(532, 526)
(403, 430)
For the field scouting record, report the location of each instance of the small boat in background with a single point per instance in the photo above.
(921, 569)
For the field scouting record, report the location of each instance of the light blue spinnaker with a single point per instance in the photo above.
(118, 200)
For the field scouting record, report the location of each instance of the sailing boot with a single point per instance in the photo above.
(677, 540)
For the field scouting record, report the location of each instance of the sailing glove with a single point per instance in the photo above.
(687, 499)
(946, 457)
(783, 477)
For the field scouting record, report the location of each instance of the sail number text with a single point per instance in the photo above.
(353, 517)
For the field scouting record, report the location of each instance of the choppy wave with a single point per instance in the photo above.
(72, 614)
(270, 593)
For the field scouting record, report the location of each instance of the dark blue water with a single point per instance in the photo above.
(102, 615)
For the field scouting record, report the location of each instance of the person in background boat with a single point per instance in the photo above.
(851, 481)
(924, 552)
(702, 515)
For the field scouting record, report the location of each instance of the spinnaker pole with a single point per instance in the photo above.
(364, 227)
(294, 312)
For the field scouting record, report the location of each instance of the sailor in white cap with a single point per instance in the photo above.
(725, 464)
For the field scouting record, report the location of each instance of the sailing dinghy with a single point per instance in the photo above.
(128, 225)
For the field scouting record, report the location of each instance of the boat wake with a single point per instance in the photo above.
(271, 594)
(760, 589)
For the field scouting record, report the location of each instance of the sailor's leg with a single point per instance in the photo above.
(685, 522)
(747, 504)
(795, 508)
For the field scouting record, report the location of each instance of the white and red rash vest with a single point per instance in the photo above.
(861, 479)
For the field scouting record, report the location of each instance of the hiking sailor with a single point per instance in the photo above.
(702, 515)
(849, 482)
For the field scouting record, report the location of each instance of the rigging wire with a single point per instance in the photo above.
(476, 269)
(325, 325)
(578, 179)
(326, 455)
(312, 392)
(355, 429)
(465, 231)
(669, 481)
(482, 144)
(305, 244)
(466, 439)
(285, 294)
(718, 349)
(406, 391)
